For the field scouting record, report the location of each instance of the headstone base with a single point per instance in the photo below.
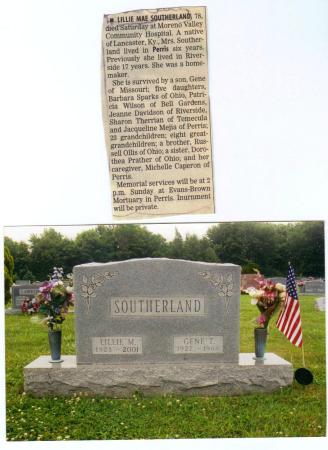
(12, 311)
(122, 381)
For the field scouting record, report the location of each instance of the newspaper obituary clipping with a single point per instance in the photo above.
(156, 112)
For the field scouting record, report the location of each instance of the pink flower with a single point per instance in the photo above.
(45, 290)
(46, 287)
(261, 319)
(270, 295)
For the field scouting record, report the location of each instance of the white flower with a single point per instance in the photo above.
(69, 289)
(280, 287)
(257, 293)
(250, 290)
(254, 301)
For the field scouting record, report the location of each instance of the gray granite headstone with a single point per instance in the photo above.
(156, 311)
(314, 287)
(281, 280)
(22, 291)
(320, 304)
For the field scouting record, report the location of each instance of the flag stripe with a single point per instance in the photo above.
(289, 320)
(285, 315)
(289, 316)
(293, 332)
(296, 334)
(282, 317)
(299, 342)
(294, 324)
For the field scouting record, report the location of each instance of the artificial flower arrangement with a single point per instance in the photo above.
(29, 305)
(268, 298)
(53, 300)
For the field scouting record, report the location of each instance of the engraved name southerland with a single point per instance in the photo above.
(158, 306)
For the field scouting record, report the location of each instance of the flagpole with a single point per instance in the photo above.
(303, 359)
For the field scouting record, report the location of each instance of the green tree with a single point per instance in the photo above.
(96, 245)
(207, 252)
(134, 241)
(249, 267)
(249, 244)
(271, 246)
(8, 273)
(306, 248)
(244, 242)
(210, 255)
(176, 246)
(51, 249)
(192, 248)
(199, 249)
(21, 254)
(117, 242)
(231, 241)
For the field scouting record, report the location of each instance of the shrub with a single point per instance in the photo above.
(8, 273)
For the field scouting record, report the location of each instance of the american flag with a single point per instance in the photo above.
(289, 320)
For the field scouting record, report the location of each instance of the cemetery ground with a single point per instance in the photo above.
(293, 411)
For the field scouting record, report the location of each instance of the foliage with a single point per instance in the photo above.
(296, 411)
(268, 246)
(21, 255)
(249, 267)
(306, 248)
(176, 246)
(242, 242)
(271, 246)
(196, 249)
(192, 248)
(8, 273)
(49, 250)
(114, 243)
(53, 301)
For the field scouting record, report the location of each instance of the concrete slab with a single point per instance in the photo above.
(249, 376)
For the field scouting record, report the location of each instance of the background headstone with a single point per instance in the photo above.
(314, 287)
(281, 280)
(320, 304)
(250, 280)
(22, 291)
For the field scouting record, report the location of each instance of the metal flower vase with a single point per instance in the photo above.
(260, 335)
(55, 345)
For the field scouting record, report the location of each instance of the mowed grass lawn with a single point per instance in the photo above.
(293, 411)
